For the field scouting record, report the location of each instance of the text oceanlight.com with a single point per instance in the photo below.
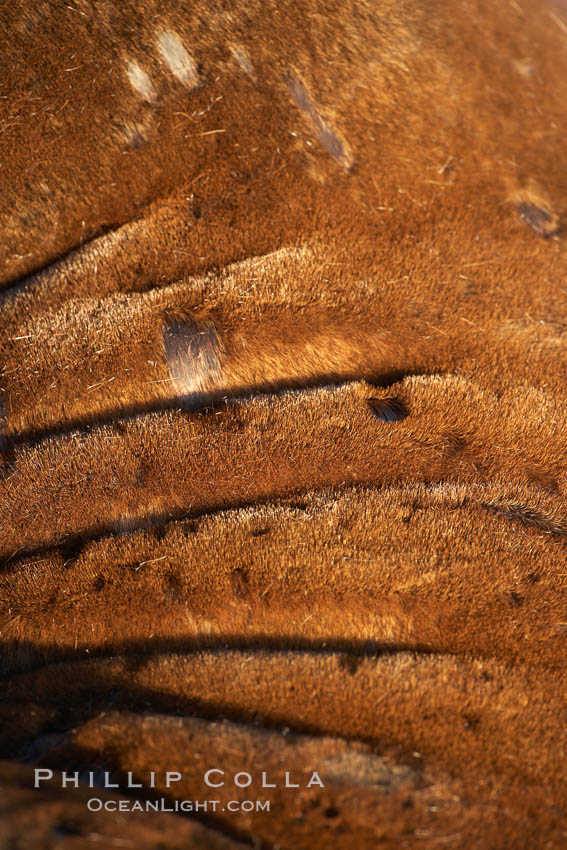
(96, 804)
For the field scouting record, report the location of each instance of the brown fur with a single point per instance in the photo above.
(283, 415)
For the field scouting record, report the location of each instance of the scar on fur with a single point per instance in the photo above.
(130, 523)
(243, 60)
(544, 222)
(178, 60)
(140, 81)
(527, 515)
(325, 134)
(525, 67)
(536, 211)
(388, 409)
(193, 352)
(134, 133)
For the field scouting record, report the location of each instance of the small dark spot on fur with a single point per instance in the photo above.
(99, 584)
(331, 812)
(7, 459)
(134, 664)
(543, 221)
(388, 409)
(533, 578)
(455, 443)
(159, 533)
(515, 599)
(260, 532)
(296, 505)
(66, 827)
(544, 479)
(189, 526)
(71, 549)
(350, 663)
(137, 140)
(471, 721)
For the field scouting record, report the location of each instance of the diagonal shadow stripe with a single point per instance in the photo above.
(211, 400)
(39, 657)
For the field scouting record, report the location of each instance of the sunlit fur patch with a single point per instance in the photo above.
(180, 63)
(363, 768)
(193, 352)
(140, 81)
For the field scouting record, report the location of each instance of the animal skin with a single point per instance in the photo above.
(283, 421)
